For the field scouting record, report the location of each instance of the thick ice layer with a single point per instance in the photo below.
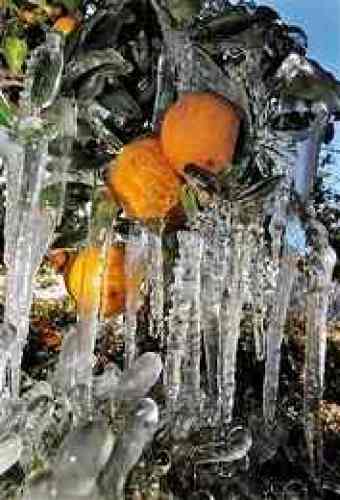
(128, 449)
(215, 230)
(285, 280)
(156, 286)
(81, 457)
(231, 313)
(135, 258)
(322, 262)
(10, 451)
(181, 359)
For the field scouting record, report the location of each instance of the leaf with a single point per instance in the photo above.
(189, 201)
(15, 51)
(71, 4)
(183, 10)
(104, 211)
(6, 112)
(51, 196)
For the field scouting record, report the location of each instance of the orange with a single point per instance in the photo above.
(91, 282)
(143, 182)
(66, 24)
(201, 128)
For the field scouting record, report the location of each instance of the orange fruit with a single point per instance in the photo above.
(201, 128)
(91, 282)
(143, 182)
(66, 24)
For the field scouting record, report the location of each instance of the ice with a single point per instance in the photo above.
(137, 380)
(128, 449)
(10, 451)
(156, 286)
(106, 385)
(230, 319)
(322, 261)
(213, 273)
(240, 265)
(184, 295)
(44, 72)
(285, 280)
(135, 260)
(132, 384)
(81, 457)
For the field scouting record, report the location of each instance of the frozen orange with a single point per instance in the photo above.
(66, 24)
(201, 128)
(143, 182)
(95, 282)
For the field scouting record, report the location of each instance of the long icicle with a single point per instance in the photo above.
(193, 368)
(156, 325)
(322, 262)
(285, 280)
(216, 241)
(231, 313)
(135, 255)
(33, 232)
(183, 292)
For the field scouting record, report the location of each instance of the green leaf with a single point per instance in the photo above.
(15, 51)
(71, 4)
(51, 196)
(6, 113)
(189, 201)
(183, 10)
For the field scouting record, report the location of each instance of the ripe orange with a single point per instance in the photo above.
(91, 282)
(66, 24)
(201, 128)
(143, 181)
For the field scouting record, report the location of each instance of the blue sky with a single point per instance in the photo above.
(320, 20)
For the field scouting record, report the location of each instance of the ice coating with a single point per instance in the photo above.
(250, 252)
(128, 449)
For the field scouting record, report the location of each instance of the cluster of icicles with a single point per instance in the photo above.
(224, 266)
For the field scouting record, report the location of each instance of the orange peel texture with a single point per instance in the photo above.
(66, 25)
(89, 279)
(201, 128)
(143, 182)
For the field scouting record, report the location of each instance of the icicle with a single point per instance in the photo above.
(35, 229)
(193, 361)
(81, 457)
(44, 72)
(156, 287)
(280, 278)
(215, 231)
(128, 449)
(257, 289)
(165, 89)
(275, 332)
(184, 292)
(321, 262)
(87, 324)
(135, 257)
(232, 303)
(14, 157)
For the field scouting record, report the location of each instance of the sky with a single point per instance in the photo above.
(320, 19)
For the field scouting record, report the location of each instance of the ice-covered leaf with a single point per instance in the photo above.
(189, 201)
(15, 51)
